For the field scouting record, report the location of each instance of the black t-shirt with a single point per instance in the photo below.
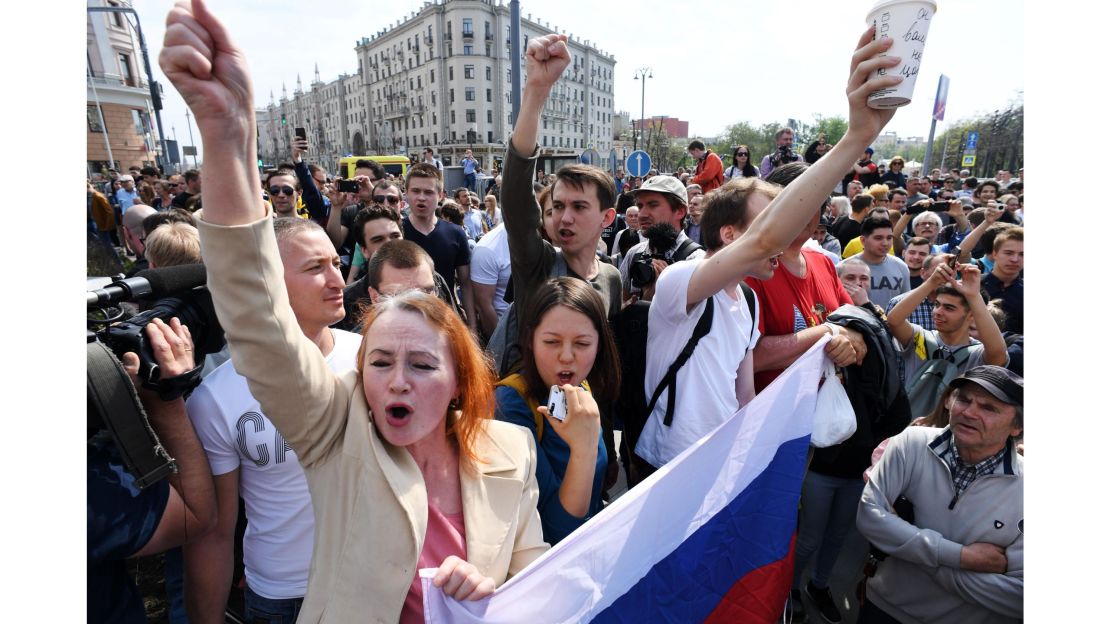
(447, 244)
(845, 230)
(181, 199)
(609, 234)
(347, 220)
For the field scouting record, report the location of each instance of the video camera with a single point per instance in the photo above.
(784, 154)
(113, 404)
(661, 239)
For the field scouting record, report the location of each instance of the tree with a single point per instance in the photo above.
(1001, 142)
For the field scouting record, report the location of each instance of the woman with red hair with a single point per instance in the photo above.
(406, 468)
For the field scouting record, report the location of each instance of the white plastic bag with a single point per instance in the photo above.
(835, 419)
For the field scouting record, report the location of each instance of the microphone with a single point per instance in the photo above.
(154, 283)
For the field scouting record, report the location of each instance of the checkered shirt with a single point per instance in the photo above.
(964, 475)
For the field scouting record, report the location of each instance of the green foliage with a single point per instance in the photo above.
(1001, 142)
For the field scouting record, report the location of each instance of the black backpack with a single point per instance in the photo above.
(633, 406)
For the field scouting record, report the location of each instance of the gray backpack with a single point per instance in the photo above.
(502, 344)
(928, 385)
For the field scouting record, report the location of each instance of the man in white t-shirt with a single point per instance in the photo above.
(490, 271)
(250, 458)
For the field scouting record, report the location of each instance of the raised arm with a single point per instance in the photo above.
(994, 345)
(778, 225)
(211, 74)
(898, 317)
(285, 370)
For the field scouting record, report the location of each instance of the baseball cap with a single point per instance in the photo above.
(668, 185)
(1002, 383)
(826, 222)
(870, 150)
(125, 178)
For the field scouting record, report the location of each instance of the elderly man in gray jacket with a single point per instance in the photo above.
(958, 557)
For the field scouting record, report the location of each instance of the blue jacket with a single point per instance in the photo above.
(552, 456)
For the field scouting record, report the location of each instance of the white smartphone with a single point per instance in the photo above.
(557, 403)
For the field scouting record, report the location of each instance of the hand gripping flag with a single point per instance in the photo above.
(707, 538)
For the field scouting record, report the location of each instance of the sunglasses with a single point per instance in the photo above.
(741, 153)
(381, 199)
(285, 190)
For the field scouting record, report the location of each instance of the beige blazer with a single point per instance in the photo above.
(368, 496)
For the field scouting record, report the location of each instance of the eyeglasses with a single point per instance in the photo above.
(381, 199)
(285, 190)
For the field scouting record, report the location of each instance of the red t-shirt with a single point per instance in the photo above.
(788, 304)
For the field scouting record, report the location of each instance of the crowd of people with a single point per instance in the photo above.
(385, 401)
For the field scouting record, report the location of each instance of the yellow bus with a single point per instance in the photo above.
(396, 165)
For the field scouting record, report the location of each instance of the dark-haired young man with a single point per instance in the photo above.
(376, 225)
(284, 190)
(889, 274)
(444, 241)
(583, 199)
(191, 181)
(957, 304)
(661, 199)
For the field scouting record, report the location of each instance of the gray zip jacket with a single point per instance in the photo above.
(921, 580)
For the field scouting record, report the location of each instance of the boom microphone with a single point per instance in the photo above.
(154, 283)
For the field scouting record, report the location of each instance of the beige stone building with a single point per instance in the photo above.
(120, 130)
(441, 78)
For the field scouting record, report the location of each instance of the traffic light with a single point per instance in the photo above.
(283, 119)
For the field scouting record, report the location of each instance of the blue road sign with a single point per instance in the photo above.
(638, 164)
(590, 157)
(972, 140)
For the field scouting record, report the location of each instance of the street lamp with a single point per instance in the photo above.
(642, 75)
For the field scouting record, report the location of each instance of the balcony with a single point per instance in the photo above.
(468, 35)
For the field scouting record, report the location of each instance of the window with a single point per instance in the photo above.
(468, 27)
(468, 71)
(489, 136)
(468, 50)
(434, 120)
(450, 50)
(471, 116)
(489, 116)
(138, 121)
(470, 94)
(489, 95)
(489, 49)
(433, 98)
(94, 120)
(125, 70)
(418, 85)
(452, 116)
(432, 77)
(452, 94)
(450, 73)
(489, 73)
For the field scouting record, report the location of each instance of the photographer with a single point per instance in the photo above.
(124, 521)
(661, 200)
(782, 155)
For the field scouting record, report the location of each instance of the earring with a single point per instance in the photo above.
(455, 404)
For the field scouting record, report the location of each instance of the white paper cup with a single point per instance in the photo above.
(907, 23)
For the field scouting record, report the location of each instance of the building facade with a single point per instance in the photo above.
(441, 77)
(119, 129)
(674, 127)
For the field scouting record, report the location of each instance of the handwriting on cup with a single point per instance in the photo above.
(914, 35)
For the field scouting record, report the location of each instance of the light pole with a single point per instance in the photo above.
(642, 75)
(189, 122)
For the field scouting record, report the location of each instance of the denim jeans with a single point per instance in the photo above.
(261, 610)
(828, 513)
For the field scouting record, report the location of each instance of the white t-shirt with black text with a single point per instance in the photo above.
(277, 547)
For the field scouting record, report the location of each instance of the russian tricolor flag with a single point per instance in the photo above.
(708, 538)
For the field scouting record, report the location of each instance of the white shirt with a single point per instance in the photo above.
(707, 383)
(277, 547)
(489, 265)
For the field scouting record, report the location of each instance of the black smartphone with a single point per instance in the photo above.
(348, 186)
(301, 134)
(955, 259)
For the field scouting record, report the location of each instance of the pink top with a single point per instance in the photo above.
(446, 536)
